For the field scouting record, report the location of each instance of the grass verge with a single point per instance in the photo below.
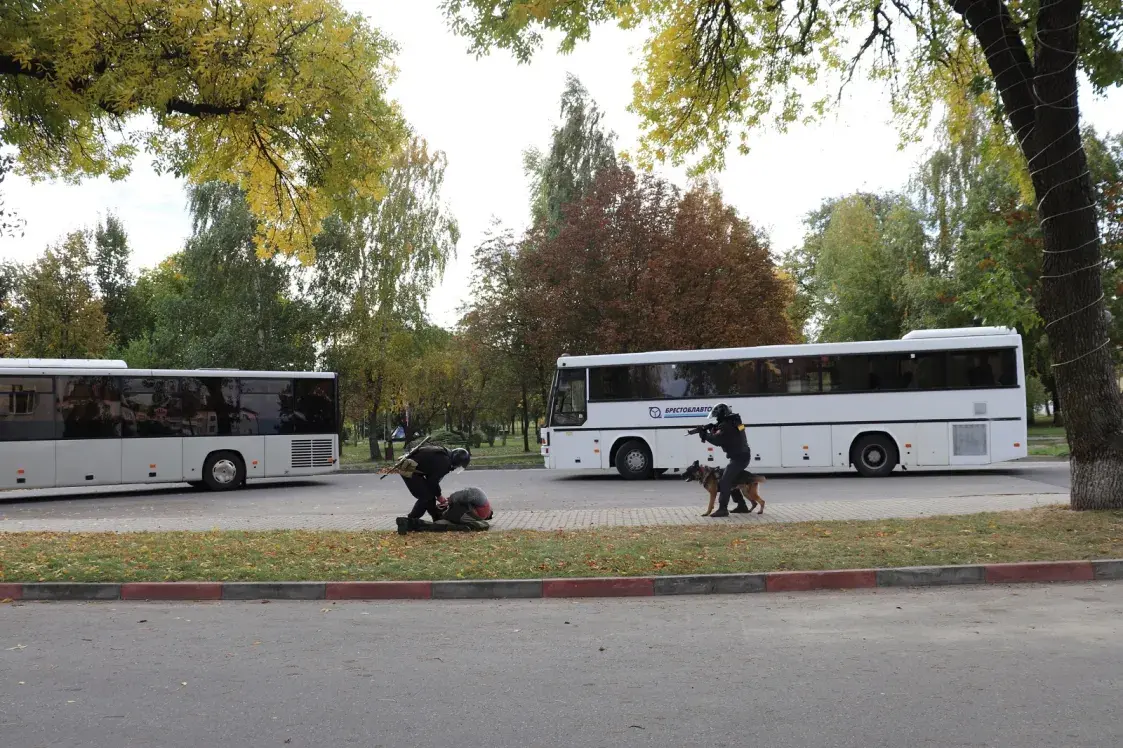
(352, 454)
(1058, 449)
(1042, 534)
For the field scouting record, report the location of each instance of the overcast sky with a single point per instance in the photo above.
(484, 113)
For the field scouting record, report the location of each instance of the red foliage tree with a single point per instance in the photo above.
(637, 266)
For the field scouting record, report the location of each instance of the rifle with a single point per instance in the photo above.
(699, 429)
(397, 466)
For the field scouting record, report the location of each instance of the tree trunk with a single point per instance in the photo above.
(375, 402)
(1072, 299)
(526, 417)
(1040, 101)
(372, 439)
(1058, 417)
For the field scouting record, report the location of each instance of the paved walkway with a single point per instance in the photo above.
(571, 519)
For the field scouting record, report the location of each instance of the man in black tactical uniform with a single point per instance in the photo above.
(729, 434)
(433, 463)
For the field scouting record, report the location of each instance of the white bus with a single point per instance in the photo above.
(90, 423)
(936, 398)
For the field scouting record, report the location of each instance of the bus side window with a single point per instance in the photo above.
(569, 399)
(27, 409)
(1007, 368)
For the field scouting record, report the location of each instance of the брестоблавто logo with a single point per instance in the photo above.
(681, 411)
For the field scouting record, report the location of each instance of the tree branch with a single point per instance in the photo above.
(44, 70)
(997, 34)
(202, 109)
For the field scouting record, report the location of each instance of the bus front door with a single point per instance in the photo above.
(575, 450)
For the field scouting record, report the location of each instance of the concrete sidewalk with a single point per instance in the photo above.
(577, 519)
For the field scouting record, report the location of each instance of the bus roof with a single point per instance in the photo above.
(107, 367)
(917, 340)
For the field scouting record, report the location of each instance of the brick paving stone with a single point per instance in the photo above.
(575, 519)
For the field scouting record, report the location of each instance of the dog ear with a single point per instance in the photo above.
(696, 464)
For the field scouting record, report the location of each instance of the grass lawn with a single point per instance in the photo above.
(1044, 427)
(512, 454)
(1052, 533)
(1049, 449)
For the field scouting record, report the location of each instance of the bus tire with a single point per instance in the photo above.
(633, 460)
(223, 471)
(874, 455)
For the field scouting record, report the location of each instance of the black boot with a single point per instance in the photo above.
(721, 512)
(403, 525)
(741, 508)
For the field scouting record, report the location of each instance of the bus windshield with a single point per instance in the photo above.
(569, 398)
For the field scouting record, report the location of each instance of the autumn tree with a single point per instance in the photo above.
(502, 315)
(218, 303)
(855, 264)
(115, 281)
(10, 223)
(376, 266)
(9, 289)
(636, 266)
(713, 70)
(579, 149)
(57, 314)
(287, 100)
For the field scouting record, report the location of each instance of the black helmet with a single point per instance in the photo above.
(460, 457)
(721, 411)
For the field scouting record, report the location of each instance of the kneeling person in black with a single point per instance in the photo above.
(468, 510)
(433, 464)
(729, 434)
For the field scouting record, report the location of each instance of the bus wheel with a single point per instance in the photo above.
(874, 455)
(633, 460)
(223, 471)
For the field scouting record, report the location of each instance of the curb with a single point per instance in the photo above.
(509, 589)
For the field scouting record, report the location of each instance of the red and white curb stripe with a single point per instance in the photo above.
(699, 584)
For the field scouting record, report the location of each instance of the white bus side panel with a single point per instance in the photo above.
(196, 449)
(87, 462)
(152, 460)
(36, 460)
(573, 450)
(675, 450)
(933, 447)
(764, 441)
(805, 446)
(1008, 440)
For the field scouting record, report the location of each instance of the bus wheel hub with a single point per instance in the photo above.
(224, 471)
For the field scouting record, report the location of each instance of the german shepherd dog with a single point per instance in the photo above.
(746, 487)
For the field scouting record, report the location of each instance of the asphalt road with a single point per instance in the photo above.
(1023, 667)
(512, 490)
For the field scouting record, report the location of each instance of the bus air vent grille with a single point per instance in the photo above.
(308, 453)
